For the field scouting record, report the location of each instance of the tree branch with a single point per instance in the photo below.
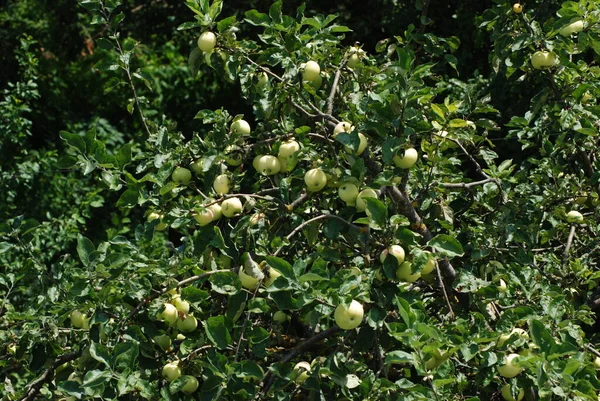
(36, 385)
(465, 185)
(569, 242)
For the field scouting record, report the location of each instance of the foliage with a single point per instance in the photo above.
(503, 156)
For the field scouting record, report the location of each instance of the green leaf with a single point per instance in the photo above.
(84, 248)
(73, 140)
(125, 356)
(226, 283)
(283, 266)
(541, 336)
(100, 353)
(253, 17)
(226, 23)
(124, 155)
(128, 199)
(377, 210)
(96, 378)
(217, 331)
(5, 246)
(457, 123)
(396, 357)
(446, 245)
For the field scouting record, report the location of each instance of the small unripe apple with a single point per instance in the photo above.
(316, 84)
(573, 27)
(311, 71)
(79, 320)
(222, 184)
(408, 160)
(509, 370)
(348, 192)
(543, 59)
(248, 282)
(574, 217)
(517, 8)
(191, 385)
(287, 163)
(396, 251)
(169, 314)
(361, 204)
(315, 179)
(216, 210)
(429, 266)
(240, 127)
(180, 337)
(280, 317)
(268, 165)
(353, 61)
(234, 155)
(196, 167)
(160, 226)
(263, 80)
(187, 324)
(288, 148)
(181, 176)
(231, 207)
(204, 217)
(302, 372)
(404, 273)
(349, 317)
(271, 277)
(180, 304)
(163, 341)
(343, 126)
(171, 371)
(207, 41)
(506, 394)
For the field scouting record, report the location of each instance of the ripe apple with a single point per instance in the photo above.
(517, 8)
(404, 273)
(196, 166)
(80, 320)
(301, 371)
(573, 27)
(429, 266)
(361, 205)
(234, 155)
(207, 42)
(240, 127)
(311, 71)
(160, 226)
(222, 184)
(163, 341)
(191, 385)
(181, 176)
(280, 317)
(171, 371)
(181, 304)
(287, 163)
(315, 179)
(408, 160)
(263, 80)
(348, 192)
(396, 251)
(169, 314)
(574, 217)
(216, 210)
(349, 317)
(268, 165)
(271, 277)
(543, 59)
(204, 217)
(288, 148)
(343, 126)
(506, 394)
(187, 324)
(509, 370)
(232, 206)
(248, 282)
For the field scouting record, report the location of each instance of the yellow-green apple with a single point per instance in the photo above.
(171, 371)
(430, 265)
(311, 71)
(231, 207)
(263, 80)
(404, 273)
(191, 385)
(187, 323)
(248, 282)
(157, 216)
(207, 41)
(361, 204)
(573, 27)
(163, 341)
(396, 251)
(182, 176)
(196, 166)
(204, 217)
(271, 276)
(240, 127)
(288, 148)
(80, 320)
(543, 59)
(181, 304)
(222, 184)
(280, 317)
(349, 317)
(574, 217)
(169, 314)
(234, 155)
(507, 395)
(342, 126)
(216, 210)
(348, 192)
(517, 8)
(301, 372)
(268, 165)
(509, 369)
(408, 160)
(315, 179)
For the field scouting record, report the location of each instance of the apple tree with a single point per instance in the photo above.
(376, 227)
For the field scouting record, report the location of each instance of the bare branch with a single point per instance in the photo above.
(569, 242)
(443, 286)
(465, 185)
(334, 86)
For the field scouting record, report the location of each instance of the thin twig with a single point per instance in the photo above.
(465, 185)
(303, 196)
(443, 287)
(569, 242)
(334, 86)
(36, 385)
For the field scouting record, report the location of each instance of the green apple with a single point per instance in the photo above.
(574, 217)
(364, 141)
(504, 337)
(231, 207)
(361, 204)
(396, 251)
(263, 80)
(248, 282)
(169, 314)
(287, 163)
(543, 59)
(349, 317)
(181, 304)
(79, 320)
(157, 216)
(429, 266)
(517, 8)
(187, 324)
(597, 362)
(191, 385)
(207, 41)
(268, 165)
(196, 167)
(288, 148)
(163, 341)
(408, 160)
(316, 84)
(222, 184)
(204, 217)
(404, 273)
(315, 179)
(348, 192)
(507, 395)
(171, 371)
(573, 27)
(509, 369)
(216, 210)
(240, 127)
(353, 61)
(280, 317)
(343, 126)
(311, 71)
(234, 155)
(271, 277)
(502, 287)
(301, 372)
(181, 176)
